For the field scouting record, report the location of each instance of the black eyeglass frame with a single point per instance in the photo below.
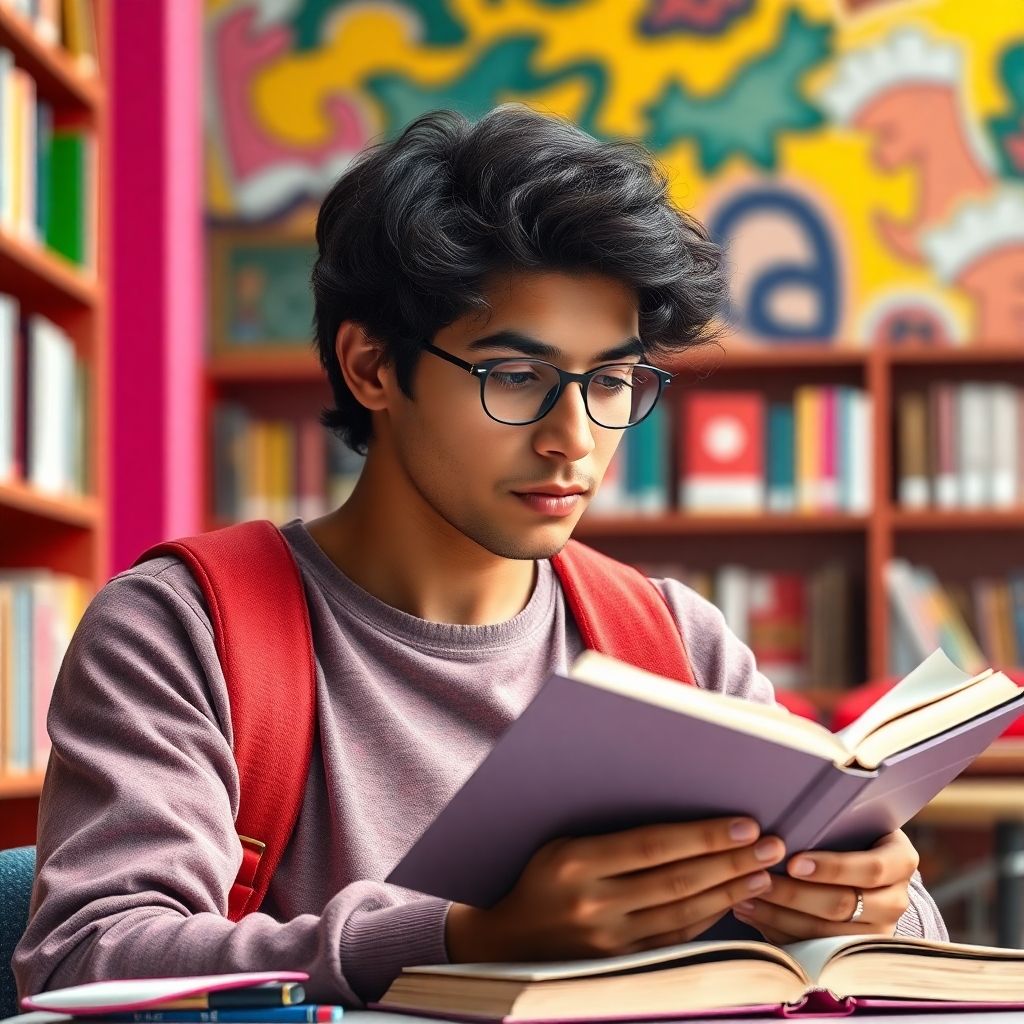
(483, 369)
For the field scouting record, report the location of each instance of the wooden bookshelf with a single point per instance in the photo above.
(65, 533)
(864, 543)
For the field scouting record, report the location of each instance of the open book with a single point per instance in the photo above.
(610, 747)
(823, 976)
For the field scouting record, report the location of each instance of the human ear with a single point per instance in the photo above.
(361, 360)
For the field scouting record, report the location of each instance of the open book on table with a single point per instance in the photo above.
(609, 747)
(830, 976)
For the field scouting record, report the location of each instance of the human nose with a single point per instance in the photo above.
(566, 430)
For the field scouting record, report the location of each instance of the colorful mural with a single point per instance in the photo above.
(863, 159)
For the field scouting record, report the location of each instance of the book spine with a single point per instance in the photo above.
(812, 812)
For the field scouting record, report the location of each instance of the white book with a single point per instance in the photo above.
(1005, 445)
(732, 584)
(862, 452)
(974, 433)
(8, 336)
(6, 137)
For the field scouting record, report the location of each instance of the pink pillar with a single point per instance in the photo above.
(156, 301)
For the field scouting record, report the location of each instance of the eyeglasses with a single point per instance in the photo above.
(522, 390)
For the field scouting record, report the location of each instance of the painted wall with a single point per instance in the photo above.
(864, 158)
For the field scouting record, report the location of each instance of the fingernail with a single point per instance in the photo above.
(768, 849)
(746, 907)
(759, 883)
(743, 830)
(802, 867)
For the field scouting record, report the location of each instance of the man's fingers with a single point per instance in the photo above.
(792, 923)
(837, 902)
(686, 879)
(684, 917)
(652, 845)
(892, 859)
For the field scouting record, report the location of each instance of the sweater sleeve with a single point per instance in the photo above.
(722, 662)
(137, 849)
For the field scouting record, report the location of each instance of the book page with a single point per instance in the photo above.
(936, 677)
(814, 954)
(557, 970)
(762, 720)
(933, 719)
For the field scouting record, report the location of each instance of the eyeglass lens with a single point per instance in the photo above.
(522, 390)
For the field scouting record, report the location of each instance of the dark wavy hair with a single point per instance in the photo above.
(411, 231)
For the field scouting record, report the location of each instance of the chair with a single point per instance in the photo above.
(17, 870)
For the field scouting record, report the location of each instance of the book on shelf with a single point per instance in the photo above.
(833, 976)
(798, 626)
(960, 446)
(976, 623)
(46, 411)
(644, 749)
(65, 23)
(47, 173)
(741, 453)
(39, 611)
(637, 479)
(277, 468)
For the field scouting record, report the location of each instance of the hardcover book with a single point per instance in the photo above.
(609, 747)
(828, 977)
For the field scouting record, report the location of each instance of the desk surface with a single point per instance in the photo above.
(369, 1017)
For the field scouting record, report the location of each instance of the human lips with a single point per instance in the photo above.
(551, 500)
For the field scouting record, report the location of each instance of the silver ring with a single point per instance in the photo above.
(857, 910)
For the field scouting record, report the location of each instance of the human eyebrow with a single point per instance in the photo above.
(529, 346)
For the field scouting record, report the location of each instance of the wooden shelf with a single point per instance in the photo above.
(292, 367)
(73, 511)
(14, 786)
(769, 357)
(36, 275)
(938, 520)
(692, 523)
(58, 78)
(979, 354)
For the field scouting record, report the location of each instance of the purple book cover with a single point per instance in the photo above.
(581, 760)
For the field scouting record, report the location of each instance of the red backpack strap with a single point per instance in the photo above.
(620, 612)
(260, 620)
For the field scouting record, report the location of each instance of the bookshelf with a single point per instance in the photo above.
(65, 533)
(956, 542)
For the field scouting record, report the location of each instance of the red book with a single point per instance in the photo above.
(723, 452)
(777, 637)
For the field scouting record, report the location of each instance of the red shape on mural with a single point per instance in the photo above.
(240, 52)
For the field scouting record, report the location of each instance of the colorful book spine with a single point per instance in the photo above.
(647, 464)
(779, 458)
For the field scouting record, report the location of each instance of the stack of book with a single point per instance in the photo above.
(279, 468)
(39, 611)
(47, 173)
(959, 446)
(975, 623)
(742, 453)
(798, 627)
(44, 404)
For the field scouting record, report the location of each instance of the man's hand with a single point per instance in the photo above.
(810, 904)
(607, 895)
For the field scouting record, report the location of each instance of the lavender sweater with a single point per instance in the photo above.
(137, 850)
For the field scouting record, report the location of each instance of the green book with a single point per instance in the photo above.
(65, 227)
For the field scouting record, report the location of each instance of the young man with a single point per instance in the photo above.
(556, 267)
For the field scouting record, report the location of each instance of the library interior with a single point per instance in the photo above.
(840, 473)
